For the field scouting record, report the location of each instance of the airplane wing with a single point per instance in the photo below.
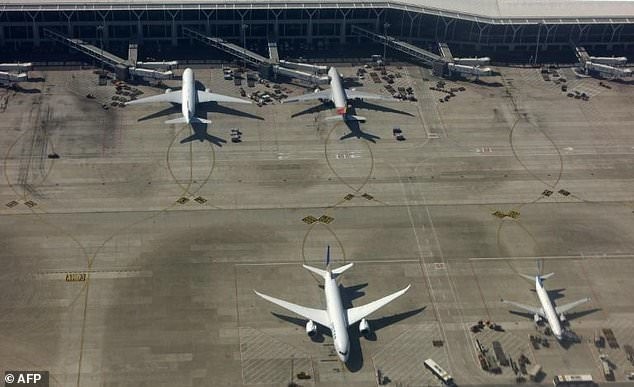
(532, 309)
(356, 314)
(567, 307)
(353, 94)
(325, 94)
(317, 315)
(204, 96)
(173, 97)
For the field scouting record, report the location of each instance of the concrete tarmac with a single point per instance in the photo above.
(131, 259)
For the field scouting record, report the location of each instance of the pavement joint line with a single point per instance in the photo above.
(423, 263)
(452, 286)
(553, 257)
(355, 261)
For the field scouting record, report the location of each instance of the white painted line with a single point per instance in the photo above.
(580, 256)
(356, 261)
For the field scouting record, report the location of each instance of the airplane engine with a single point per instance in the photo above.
(311, 328)
(207, 90)
(562, 317)
(536, 318)
(168, 91)
(364, 327)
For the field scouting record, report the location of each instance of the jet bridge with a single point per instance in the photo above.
(424, 56)
(123, 68)
(445, 52)
(16, 67)
(14, 72)
(315, 69)
(313, 78)
(230, 48)
(8, 78)
(273, 53)
(266, 66)
(314, 74)
(444, 64)
(604, 66)
(465, 66)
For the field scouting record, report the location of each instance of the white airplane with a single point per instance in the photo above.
(188, 97)
(335, 317)
(339, 96)
(554, 315)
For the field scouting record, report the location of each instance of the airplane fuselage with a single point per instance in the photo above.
(188, 105)
(549, 309)
(338, 317)
(338, 92)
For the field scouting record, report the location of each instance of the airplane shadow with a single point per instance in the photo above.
(214, 107)
(554, 294)
(174, 108)
(348, 294)
(203, 109)
(354, 127)
(579, 314)
(487, 84)
(321, 331)
(350, 83)
(351, 293)
(201, 134)
(360, 104)
(20, 89)
(314, 109)
(355, 360)
(355, 130)
(565, 344)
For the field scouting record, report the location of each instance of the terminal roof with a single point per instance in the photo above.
(485, 11)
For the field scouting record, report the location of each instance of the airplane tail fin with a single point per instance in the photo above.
(540, 270)
(541, 277)
(198, 120)
(183, 120)
(329, 273)
(351, 117)
(180, 120)
(338, 271)
(539, 273)
(346, 117)
(325, 274)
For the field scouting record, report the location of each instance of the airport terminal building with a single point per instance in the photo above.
(485, 25)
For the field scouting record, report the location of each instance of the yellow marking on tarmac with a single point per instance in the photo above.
(368, 196)
(511, 214)
(76, 277)
(326, 219)
(309, 219)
